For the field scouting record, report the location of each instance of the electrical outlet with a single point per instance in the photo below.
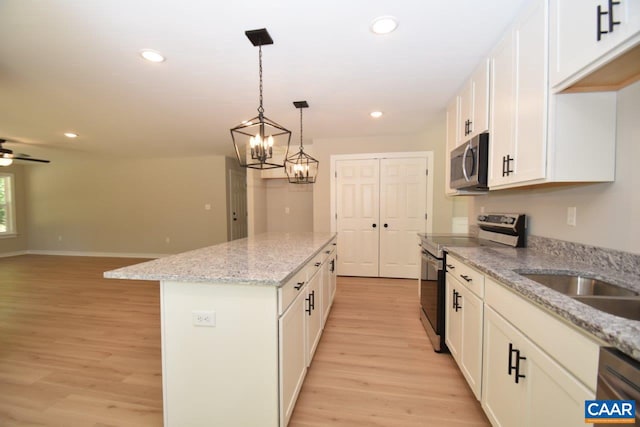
(571, 216)
(287, 210)
(203, 318)
(167, 240)
(207, 207)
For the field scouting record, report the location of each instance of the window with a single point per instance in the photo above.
(7, 209)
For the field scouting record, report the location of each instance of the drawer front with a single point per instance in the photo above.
(290, 290)
(468, 276)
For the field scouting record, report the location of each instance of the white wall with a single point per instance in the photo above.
(608, 214)
(431, 140)
(298, 198)
(126, 206)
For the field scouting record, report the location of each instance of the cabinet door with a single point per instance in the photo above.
(471, 308)
(530, 114)
(480, 116)
(545, 394)
(326, 289)
(313, 314)
(574, 40)
(453, 318)
(517, 149)
(466, 112)
(332, 277)
(554, 397)
(502, 399)
(501, 124)
(452, 141)
(293, 359)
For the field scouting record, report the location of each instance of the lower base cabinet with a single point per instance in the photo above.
(313, 314)
(522, 385)
(463, 334)
(293, 356)
(301, 324)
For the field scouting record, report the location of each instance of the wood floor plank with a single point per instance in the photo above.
(80, 350)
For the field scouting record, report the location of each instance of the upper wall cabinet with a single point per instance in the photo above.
(453, 114)
(537, 137)
(586, 34)
(467, 116)
(473, 116)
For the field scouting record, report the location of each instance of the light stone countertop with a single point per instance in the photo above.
(503, 265)
(265, 259)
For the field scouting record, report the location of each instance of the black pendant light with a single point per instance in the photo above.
(260, 143)
(301, 168)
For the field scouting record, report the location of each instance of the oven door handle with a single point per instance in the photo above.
(430, 259)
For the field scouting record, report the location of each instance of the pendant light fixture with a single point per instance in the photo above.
(301, 168)
(260, 143)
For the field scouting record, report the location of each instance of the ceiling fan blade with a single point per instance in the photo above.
(31, 159)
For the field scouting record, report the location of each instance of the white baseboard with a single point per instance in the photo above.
(8, 254)
(93, 254)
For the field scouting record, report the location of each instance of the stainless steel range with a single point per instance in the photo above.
(495, 230)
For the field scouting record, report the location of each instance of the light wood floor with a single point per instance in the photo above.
(80, 350)
(375, 366)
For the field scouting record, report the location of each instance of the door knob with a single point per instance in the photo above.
(374, 225)
(386, 225)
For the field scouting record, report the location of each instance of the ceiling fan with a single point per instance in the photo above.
(7, 157)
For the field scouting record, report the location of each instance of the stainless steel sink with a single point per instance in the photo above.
(603, 296)
(573, 285)
(629, 308)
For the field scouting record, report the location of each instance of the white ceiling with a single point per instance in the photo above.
(73, 65)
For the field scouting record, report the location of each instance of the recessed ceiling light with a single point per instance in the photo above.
(70, 135)
(152, 55)
(384, 25)
(376, 114)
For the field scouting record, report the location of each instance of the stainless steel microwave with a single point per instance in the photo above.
(470, 163)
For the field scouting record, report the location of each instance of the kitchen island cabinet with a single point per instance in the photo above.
(237, 334)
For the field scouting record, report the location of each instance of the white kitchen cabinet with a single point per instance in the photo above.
(293, 357)
(474, 104)
(452, 141)
(517, 146)
(328, 283)
(537, 137)
(313, 313)
(301, 323)
(522, 385)
(463, 323)
(583, 36)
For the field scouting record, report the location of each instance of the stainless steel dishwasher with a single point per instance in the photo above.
(618, 378)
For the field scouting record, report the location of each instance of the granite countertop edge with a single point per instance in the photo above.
(277, 257)
(503, 265)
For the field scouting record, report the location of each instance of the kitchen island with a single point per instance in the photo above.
(240, 322)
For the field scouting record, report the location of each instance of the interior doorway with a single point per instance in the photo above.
(237, 216)
(380, 202)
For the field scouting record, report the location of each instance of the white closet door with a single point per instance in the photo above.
(357, 217)
(403, 204)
